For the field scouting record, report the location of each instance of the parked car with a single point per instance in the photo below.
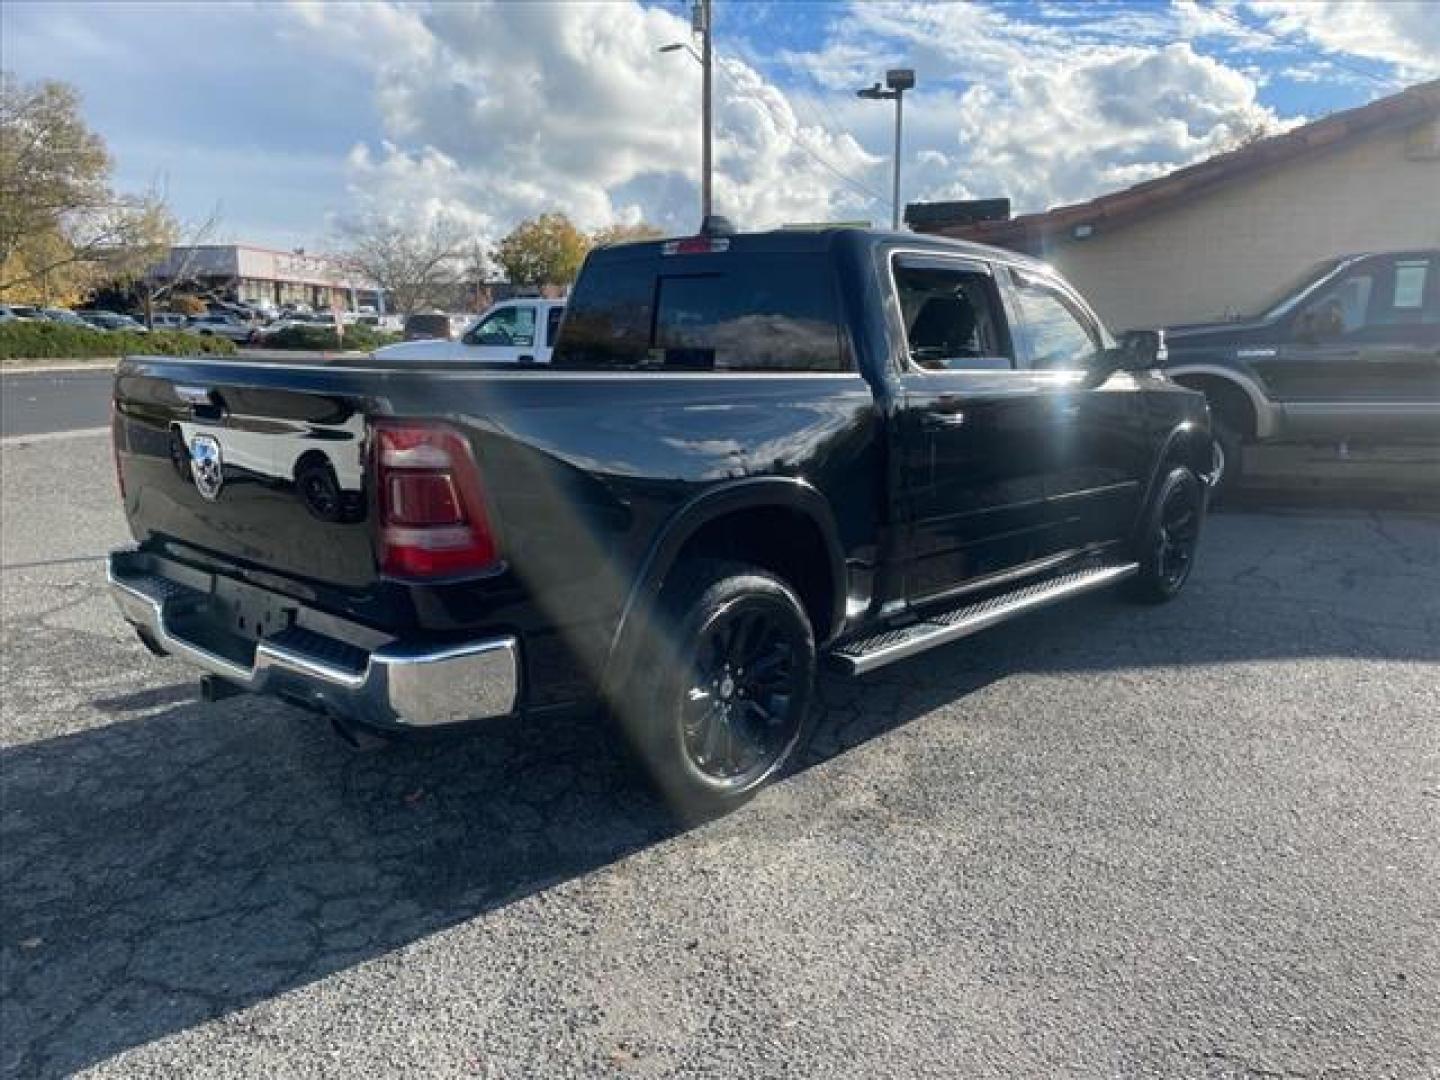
(113, 321)
(511, 332)
(432, 325)
(18, 312)
(307, 322)
(226, 326)
(751, 454)
(63, 316)
(1350, 352)
(390, 324)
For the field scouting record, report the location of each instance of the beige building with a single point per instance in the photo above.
(1216, 239)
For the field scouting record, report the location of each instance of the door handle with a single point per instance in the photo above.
(526, 359)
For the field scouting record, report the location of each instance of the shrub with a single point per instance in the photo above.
(27, 339)
(320, 337)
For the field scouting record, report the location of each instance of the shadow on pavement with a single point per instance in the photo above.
(171, 868)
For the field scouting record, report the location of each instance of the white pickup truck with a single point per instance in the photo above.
(521, 331)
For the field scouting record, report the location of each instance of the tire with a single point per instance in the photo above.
(710, 732)
(1167, 546)
(1232, 450)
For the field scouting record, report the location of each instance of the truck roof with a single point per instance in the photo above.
(827, 238)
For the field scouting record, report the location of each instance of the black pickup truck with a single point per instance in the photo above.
(1347, 353)
(752, 454)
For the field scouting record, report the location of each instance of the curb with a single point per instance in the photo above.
(107, 364)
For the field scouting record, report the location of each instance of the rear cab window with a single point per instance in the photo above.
(644, 308)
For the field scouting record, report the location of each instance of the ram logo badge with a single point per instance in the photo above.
(207, 466)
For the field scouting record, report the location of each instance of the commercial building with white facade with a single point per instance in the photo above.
(257, 275)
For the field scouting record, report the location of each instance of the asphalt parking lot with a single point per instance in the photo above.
(1198, 840)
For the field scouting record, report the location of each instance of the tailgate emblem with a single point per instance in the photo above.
(207, 466)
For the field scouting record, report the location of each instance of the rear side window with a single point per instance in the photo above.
(722, 312)
(552, 324)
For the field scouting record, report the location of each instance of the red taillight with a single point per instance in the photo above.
(430, 501)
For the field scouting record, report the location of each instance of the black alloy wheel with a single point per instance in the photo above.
(1169, 544)
(1177, 538)
(736, 720)
(721, 699)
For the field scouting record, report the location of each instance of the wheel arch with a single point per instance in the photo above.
(1197, 375)
(714, 518)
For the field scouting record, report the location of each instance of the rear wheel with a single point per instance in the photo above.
(1168, 545)
(724, 706)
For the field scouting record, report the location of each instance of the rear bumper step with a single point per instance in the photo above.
(394, 686)
(940, 628)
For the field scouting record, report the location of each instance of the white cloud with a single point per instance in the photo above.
(494, 112)
(1402, 33)
(1041, 113)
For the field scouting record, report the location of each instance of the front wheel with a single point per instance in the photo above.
(1168, 544)
(723, 706)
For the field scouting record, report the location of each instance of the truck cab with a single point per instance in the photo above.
(521, 331)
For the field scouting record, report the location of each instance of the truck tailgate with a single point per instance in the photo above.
(215, 460)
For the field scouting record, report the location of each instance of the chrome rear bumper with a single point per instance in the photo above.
(395, 685)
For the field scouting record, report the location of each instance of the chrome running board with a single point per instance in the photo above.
(942, 627)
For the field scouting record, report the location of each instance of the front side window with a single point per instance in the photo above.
(511, 326)
(952, 316)
(1057, 334)
(552, 324)
(1340, 309)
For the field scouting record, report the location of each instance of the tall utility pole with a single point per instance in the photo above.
(897, 81)
(702, 24)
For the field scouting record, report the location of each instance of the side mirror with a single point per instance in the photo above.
(1141, 350)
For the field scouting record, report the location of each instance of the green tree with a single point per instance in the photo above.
(62, 227)
(546, 250)
(624, 234)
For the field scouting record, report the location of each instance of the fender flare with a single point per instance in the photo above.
(753, 493)
(1267, 421)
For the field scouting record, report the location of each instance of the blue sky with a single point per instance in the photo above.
(296, 117)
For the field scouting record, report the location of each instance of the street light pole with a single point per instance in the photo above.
(897, 81)
(700, 23)
(895, 182)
